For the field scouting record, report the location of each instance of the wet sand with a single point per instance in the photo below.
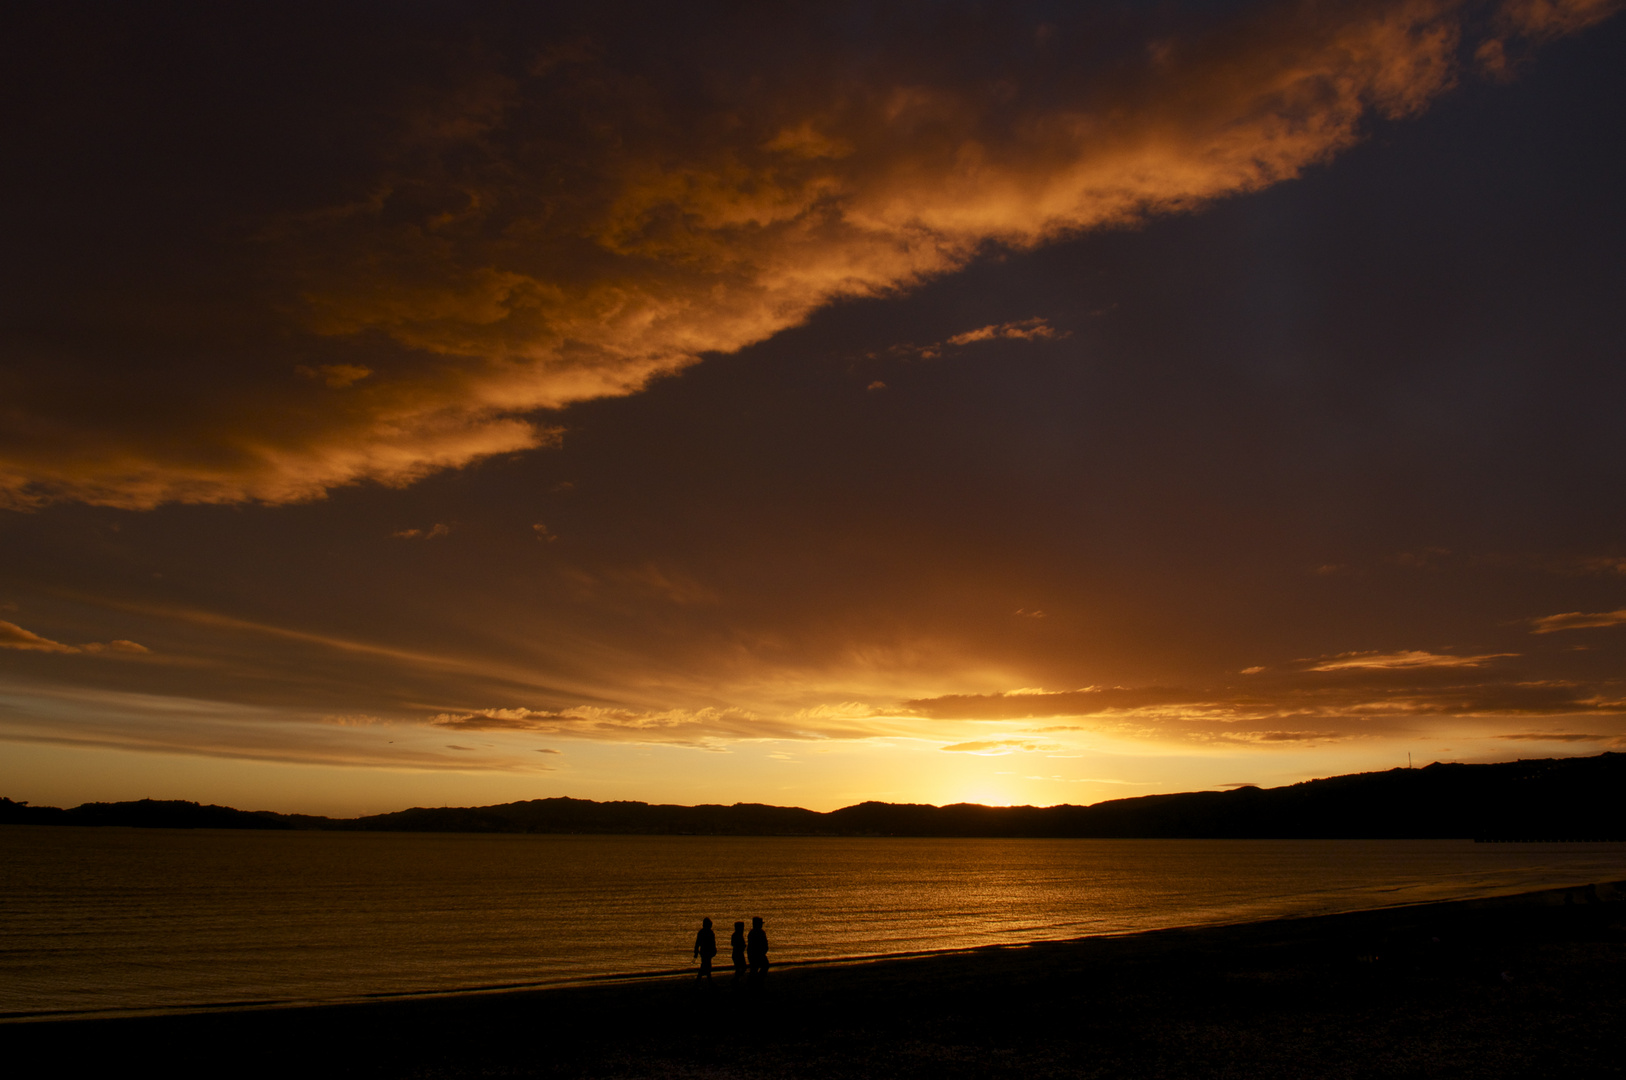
(1513, 986)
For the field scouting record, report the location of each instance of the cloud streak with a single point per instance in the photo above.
(1405, 660)
(1577, 620)
(1555, 736)
(1026, 330)
(997, 747)
(1155, 711)
(171, 724)
(676, 726)
(15, 637)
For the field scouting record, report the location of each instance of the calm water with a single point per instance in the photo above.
(120, 919)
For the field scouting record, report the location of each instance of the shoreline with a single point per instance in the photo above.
(1507, 981)
(1614, 891)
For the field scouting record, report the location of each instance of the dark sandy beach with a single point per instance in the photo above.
(1533, 985)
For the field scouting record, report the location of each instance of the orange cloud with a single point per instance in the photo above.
(434, 532)
(1032, 704)
(1034, 329)
(118, 645)
(994, 747)
(535, 238)
(1554, 736)
(166, 724)
(1214, 712)
(1400, 660)
(709, 242)
(1577, 620)
(1026, 330)
(1267, 737)
(683, 727)
(13, 636)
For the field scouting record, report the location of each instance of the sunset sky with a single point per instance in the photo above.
(433, 403)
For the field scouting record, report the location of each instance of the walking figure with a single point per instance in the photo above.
(705, 947)
(756, 949)
(737, 944)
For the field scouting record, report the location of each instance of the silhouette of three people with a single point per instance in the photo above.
(750, 950)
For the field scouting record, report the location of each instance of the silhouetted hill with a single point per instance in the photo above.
(560, 815)
(148, 814)
(1549, 799)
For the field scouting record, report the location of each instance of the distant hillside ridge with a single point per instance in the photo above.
(1558, 799)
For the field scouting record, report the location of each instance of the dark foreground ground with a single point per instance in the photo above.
(1526, 986)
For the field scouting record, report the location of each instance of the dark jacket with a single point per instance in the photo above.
(705, 943)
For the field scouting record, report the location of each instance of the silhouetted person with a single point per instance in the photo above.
(756, 949)
(705, 947)
(737, 943)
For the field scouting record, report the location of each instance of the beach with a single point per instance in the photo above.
(1528, 985)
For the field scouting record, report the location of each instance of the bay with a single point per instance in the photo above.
(107, 920)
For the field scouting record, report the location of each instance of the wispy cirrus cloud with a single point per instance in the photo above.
(433, 532)
(1577, 620)
(172, 724)
(1278, 736)
(118, 645)
(1555, 736)
(1404, 660)
(356, 720)
(13, 636)
(996, 747)
(1034, 329)
(1278, 712)
(1026, 330)
(1033, 704)
(706, 727)
(515, 230)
